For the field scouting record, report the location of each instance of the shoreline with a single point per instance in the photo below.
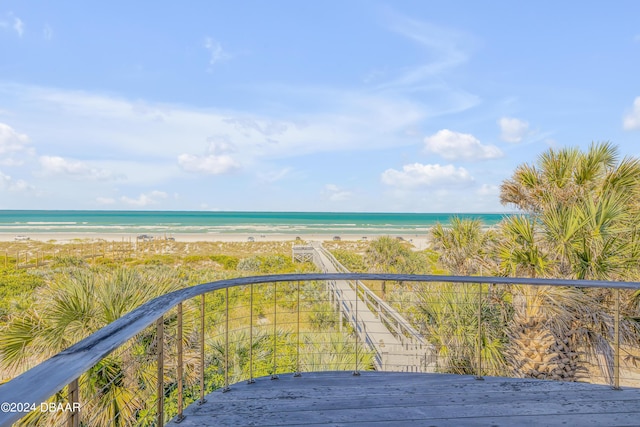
(420, 241)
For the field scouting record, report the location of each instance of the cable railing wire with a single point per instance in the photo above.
(220, 322)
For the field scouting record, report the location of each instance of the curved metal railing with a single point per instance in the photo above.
(63, 370)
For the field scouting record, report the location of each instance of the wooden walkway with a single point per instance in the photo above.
(391, 353)
(400, 399)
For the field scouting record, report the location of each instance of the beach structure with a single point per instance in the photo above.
(294, 394)
(303, 253)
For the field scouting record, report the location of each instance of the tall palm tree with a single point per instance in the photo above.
(581, 208)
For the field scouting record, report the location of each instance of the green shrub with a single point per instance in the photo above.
(16, 286)
(68, 261)
(228, 262)
(193, 259)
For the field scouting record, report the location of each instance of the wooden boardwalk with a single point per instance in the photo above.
(400, 399)
(391, 353)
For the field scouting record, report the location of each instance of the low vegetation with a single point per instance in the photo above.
(578, 219)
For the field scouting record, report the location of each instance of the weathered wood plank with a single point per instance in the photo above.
(377, 398)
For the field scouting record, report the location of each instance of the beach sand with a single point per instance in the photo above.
(419, 241)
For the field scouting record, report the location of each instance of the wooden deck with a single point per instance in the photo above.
(394, 398)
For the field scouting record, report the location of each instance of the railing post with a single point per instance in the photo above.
(274, 375)
(180, 373)
(160, 349)
(74, 415)
(616, 342)
(202, 399)
(251, 380)
(479, 339)
(297, 374)
(226, 342)
(356, 372)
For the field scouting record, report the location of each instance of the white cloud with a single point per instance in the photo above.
(216, 53)
(155, 143)
(513, 130)
(632, 120)
(8, 161)
(14, 24)
(416, 175)
(210, 164)
(147, 199)
(335, 193)
(55, 165)
(273, 176)
(218, 160)
(10, 184)
(18, 25)
(488, 190)
(453, 145)
(10, 140)
(345, 120)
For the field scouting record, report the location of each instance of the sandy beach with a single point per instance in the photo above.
(419, 241)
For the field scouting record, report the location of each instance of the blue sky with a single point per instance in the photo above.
(409, 106)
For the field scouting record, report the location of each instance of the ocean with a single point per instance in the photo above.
(203, 222)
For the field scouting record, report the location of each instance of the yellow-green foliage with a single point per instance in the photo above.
(16, 286)
(269, 264)
(352, 261)
(227, 261)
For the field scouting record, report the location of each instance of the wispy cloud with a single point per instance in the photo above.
(335, 193)
(447, 48)
(631, 121)
(216, 53)
(270, 177)
(73, 169)
(13, 23)
(18, 25)
(14, 185)
(145, 199)
(488, 190)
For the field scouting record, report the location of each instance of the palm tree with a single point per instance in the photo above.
(463, 246)
(77, 303)
(388, 255)
(581, 209)
(334, 351)
(447, 314)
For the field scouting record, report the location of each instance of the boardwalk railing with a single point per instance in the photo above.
(397, 324)
(145, 367)
(397, 345)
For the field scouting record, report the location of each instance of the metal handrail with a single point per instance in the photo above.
(44, 380)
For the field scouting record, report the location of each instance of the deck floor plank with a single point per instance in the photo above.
(391, 398)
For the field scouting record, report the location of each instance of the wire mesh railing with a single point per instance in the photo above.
(145, 368)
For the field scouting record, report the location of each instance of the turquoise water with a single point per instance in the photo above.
(24, 222)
